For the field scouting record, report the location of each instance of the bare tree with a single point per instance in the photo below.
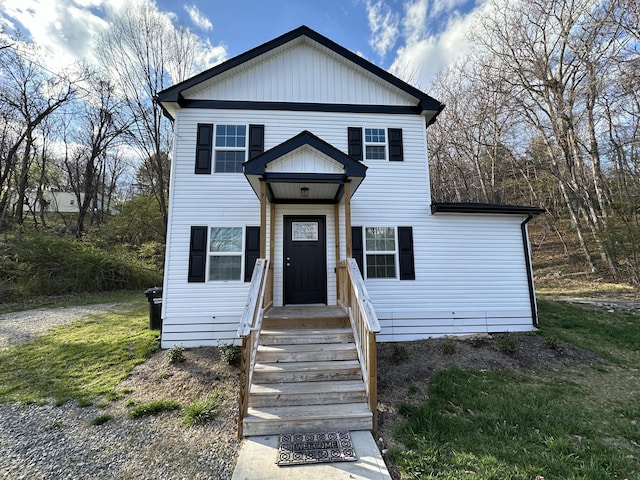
(30, 94)
(145, 53)
(96, 131)
(549, 56)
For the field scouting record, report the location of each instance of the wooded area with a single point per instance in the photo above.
(542, 110)
(93, 130)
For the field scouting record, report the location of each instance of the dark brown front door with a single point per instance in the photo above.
(305, 260)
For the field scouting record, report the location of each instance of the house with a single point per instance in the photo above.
(56, 201)
(304, 154)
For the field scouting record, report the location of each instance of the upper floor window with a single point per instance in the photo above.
(375, 144)
(230, 148)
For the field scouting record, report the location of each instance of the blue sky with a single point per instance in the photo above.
(413, 39)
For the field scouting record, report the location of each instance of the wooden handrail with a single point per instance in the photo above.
(256, 292)
(249, 330)
(353, 295)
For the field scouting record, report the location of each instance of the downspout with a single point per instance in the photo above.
(527, 260)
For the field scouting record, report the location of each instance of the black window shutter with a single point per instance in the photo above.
(256, 140)
(357, 252)
(354, 140)
(396, 153)
(197, 254)
(204, 142)
(405, 244)
(251, 251)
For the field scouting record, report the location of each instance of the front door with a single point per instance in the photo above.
(305, 260)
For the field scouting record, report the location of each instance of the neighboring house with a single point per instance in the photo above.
(55, 201)
(305, 153)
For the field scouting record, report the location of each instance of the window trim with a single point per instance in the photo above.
(384, 144)
(366, 252)
(215, 149)
(240, 253)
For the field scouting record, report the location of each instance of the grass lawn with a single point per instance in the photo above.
(79, 361)
(573, 422)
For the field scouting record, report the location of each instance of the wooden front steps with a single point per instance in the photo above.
(307, 375)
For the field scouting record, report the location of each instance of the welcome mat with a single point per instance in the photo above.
(306, 448)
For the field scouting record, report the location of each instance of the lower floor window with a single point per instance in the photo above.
(225, 253)
(380, 248)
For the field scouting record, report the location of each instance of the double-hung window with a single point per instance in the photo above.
(380, 248)
(375, 144)
(230, 148)
(225, 253)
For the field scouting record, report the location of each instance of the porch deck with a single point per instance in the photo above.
(305, 311)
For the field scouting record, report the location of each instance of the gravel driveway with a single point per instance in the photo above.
(47, 442)
(21, 327)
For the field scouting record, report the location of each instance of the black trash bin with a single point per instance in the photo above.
(154, 296)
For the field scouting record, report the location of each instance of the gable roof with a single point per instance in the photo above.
(258, 165)
(423, 102)
(257, 168)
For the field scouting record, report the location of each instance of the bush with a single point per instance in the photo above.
(449, 346)
(175, 354)
(552, 342)
(230, 353)
(507, 345)
(40, 263)
(400, 353)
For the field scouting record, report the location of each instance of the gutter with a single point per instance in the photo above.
(527, 260)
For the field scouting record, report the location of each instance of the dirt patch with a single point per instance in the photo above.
(201, 373)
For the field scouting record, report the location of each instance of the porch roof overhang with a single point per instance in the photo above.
(304, 169)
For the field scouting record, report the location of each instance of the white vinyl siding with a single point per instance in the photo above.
(310, 74)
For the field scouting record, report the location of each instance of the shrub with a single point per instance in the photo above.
(400, 353)
(449, 346)
(552, 342)
(175, 354)
(40, 263)
(507, 345)
(230, 353)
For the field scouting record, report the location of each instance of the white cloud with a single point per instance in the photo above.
(443, 6)
(198, 19)
(425, 52)
(65, 29)
(383, 23)
(415, 21)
